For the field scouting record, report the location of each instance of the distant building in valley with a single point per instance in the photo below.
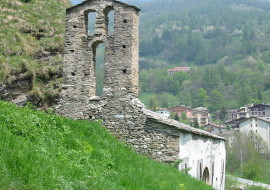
(242, 112)
(234, 124)
(214, 128)
(164, 112)
(178, 69)
(258, 126)
(201, 114)
(231, 115)
(259, 110)
(234, 117)
(182, 109)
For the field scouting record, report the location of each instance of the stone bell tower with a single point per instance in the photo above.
(121, 54)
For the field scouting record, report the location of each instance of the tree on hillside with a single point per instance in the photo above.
(244, 95)
(176, 117)
(245, 153)
(184, 119)
(202, 98)
(153, 104)
(210, 79)
(216, 100)
(222, 114)
(164, 103)
(260, 95)
(195, 123)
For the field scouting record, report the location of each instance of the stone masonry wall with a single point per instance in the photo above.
(162, 141)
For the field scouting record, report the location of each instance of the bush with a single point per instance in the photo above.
(252, 170)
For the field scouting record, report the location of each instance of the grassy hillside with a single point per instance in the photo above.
(31, 45)
(44, 151)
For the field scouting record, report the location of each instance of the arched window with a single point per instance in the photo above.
(111, 22)
(99, 65)
(90, 20)
(110, 14)
(205, 176)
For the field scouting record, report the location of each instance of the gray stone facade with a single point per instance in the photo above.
(119, 107)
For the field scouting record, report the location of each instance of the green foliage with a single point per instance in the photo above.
(229, 56)
(176, 163)
(176, 117)
(205, 31)
(246, 157)
(43, 151)
(202, 98)
(184, 118)
(32, 44)
(222, 114)
(212, 86)
(217, 101)
(195, 123)
(153, 104)
(252, 170)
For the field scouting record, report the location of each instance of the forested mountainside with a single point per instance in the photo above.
(225, 42)
(205, 31)
(31, 47)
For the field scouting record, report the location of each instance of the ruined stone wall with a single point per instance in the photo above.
(162, 141)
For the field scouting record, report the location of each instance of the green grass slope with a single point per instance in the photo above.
(44, 151)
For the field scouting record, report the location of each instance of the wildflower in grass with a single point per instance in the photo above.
(182, 186)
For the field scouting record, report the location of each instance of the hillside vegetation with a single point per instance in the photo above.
(226, 42)
(205, 31)
(31, 47)
(44, 151)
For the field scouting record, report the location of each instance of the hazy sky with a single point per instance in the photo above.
(76, 1)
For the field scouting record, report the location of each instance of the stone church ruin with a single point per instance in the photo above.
(119, 108)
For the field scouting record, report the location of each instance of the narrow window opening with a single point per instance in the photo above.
(186, 168)
(200, 170)
(124, 71)
(124, 46)
(213, 172)
(100, 68)
(111, 22)
(74, 26)
(91, 23)
(125, 21)
(71, 51)
(73, 74)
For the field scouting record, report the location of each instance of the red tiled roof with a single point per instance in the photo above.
(177, 69)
